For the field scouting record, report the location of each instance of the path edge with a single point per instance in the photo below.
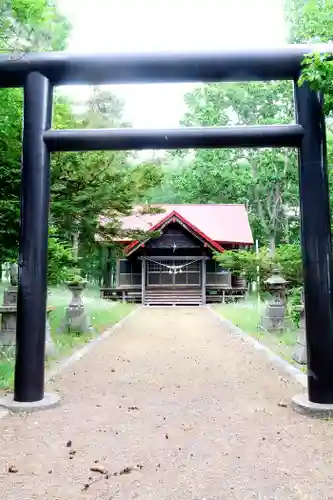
(52, 373)
(277, 360)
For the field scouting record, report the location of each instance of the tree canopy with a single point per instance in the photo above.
(264, 180)
(83, 185)
(86, 185)
(25, 25)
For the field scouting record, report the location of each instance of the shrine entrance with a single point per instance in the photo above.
(166, 272)
(172, 281)
(38, 74)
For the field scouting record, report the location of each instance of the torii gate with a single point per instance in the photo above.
(38, 73)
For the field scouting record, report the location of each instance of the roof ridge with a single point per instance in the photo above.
(193, 204)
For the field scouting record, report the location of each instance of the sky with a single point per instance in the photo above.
(168, 25)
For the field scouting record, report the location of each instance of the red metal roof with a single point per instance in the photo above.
(174, 216)
(220, 223)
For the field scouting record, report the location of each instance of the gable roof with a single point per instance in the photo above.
(173, 217)
(219, 223)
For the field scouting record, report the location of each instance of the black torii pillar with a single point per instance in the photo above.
(316, 241)
(32, 288)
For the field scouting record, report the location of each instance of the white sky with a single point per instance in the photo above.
(174, 25)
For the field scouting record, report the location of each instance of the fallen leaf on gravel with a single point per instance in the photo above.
(283, 404)
(99, 468)
(126, 470)
(12, 469)
(69, 444)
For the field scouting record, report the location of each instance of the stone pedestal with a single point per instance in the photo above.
(50, 349)
(8, 312)
(274, 317)
(299, 354)
(76, 319)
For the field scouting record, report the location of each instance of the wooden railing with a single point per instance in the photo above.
(221, 279)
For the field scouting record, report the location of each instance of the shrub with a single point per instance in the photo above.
(246, 262)
(60, 259)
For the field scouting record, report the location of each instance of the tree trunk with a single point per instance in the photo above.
(107, 268)
(272, 244)
(75, 246)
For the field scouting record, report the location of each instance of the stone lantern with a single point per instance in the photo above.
(76, 318)
(273, 318)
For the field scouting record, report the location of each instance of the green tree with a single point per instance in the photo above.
(309, 20)
(25, 25)
(264, 180)
(10, 154)
(287, 259)
(60, 259)
(85, 186)
(312, 21)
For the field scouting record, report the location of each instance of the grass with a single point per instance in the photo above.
(101, 319)
(102, 315)
(246, 316)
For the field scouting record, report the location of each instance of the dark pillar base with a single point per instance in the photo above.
(301, 404)
(49, 401)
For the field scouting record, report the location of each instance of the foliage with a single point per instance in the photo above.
(85, 186)
(309, 20)
(60, 259)
(75, 278)
(240, 262)
(10, 153)
(312, 21)
(286, 257)
(289, 259)
(294, 300)
(27, 25)
(264, 180)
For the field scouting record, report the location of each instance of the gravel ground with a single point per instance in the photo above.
(170, 407)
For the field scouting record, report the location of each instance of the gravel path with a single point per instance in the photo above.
(174, 407)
